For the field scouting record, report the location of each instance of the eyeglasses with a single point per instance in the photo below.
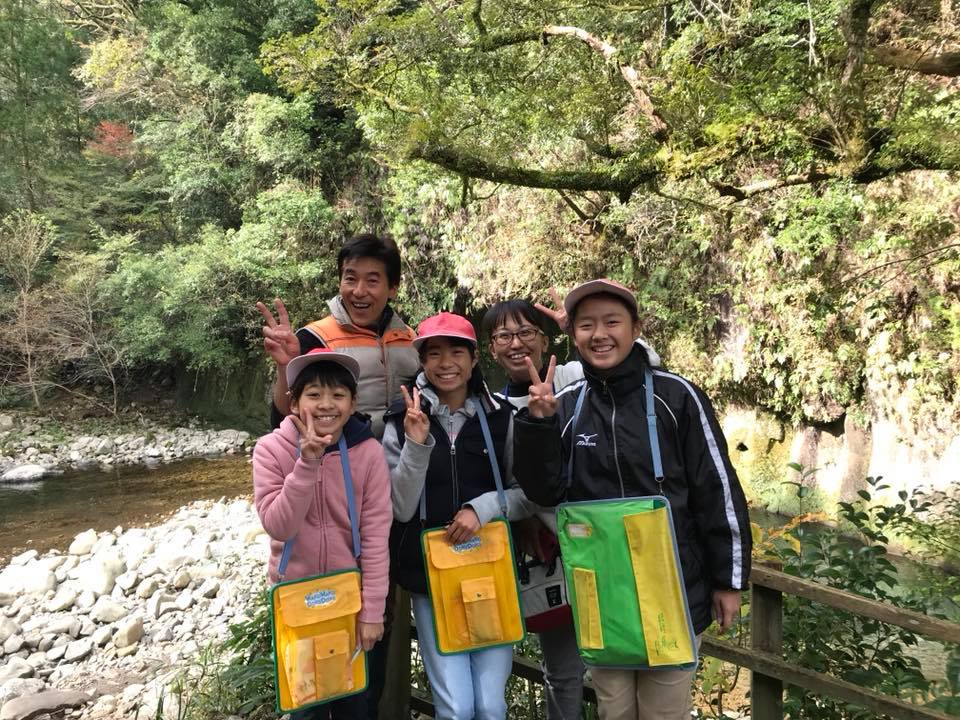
(502, 338)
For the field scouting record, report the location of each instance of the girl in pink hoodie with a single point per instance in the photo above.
(298, 488)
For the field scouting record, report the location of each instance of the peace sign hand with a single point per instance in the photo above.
(279, 340)
(312, 445)
(416, 424)
(543, 403)
(560, 314)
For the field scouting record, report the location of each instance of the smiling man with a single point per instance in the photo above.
(361, 324)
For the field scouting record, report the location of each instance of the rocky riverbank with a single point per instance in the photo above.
(104, 629)
(33, 446)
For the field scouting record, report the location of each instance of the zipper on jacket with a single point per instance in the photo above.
(613, 429)
(386, 371)
(453, 467)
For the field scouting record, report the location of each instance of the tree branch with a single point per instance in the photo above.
(746, 191)
(621, 180)
(898, 261)
(864, 176)
(854, 25)
(477, 18)
(944, 62)
(658, 126)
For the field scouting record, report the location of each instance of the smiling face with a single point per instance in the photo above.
(365, 290)
(510, 350)
(448, 366)
(604, 331)
(330, 406)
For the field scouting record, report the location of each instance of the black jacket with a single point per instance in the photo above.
(453, 478)
(613, 459)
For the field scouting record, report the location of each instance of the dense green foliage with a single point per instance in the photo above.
(771, 177)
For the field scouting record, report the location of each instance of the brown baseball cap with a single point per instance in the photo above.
(595, 287)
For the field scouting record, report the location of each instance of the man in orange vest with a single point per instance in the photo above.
(361, 323)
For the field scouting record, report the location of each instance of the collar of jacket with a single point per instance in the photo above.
(388, 318)
(624, 378)
(519, 389)
(427, 392)
(355, 432)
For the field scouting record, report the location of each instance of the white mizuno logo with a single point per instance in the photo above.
(586, 440)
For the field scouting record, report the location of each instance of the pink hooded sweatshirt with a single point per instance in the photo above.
(304, 498)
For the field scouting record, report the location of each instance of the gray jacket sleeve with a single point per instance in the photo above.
(408, 471)
(487, 506)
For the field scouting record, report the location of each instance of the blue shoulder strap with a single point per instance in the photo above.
(494, 465)
(651, 430)
(351, 510)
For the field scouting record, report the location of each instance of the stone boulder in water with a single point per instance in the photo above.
(23, 473)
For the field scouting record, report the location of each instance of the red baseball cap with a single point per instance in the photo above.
(595, 287)
(296, 366)
(445, 324)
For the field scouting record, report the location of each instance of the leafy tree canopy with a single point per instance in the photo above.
(739, 98)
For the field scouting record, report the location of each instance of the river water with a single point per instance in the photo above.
(49, 513)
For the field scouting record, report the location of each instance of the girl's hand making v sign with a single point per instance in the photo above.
(312, 445)
(543, 403)
(416, 424)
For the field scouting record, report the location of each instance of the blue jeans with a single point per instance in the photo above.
(468, 686)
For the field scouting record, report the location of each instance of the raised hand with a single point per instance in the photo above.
(559, 315)
(416, 424)
(279, 340)
(312, 445)
(543, 403)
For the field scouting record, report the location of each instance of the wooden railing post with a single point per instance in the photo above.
(395, 701)
(766, 633)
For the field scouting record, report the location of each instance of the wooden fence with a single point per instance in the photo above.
(769, 671)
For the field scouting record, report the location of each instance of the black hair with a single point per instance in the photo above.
(328, 374)
(634, 315)
(367, 245)
(475, 384)
(518, 310)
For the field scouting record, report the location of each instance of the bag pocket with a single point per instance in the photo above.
(590, 630)
(333, 675)
(483, 614)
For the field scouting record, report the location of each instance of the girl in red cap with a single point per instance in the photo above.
(441, 475)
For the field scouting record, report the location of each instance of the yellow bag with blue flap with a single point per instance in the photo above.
(473, 585)
(317, 654)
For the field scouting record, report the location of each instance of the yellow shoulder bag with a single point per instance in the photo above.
(473, 585)
(317, 655)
